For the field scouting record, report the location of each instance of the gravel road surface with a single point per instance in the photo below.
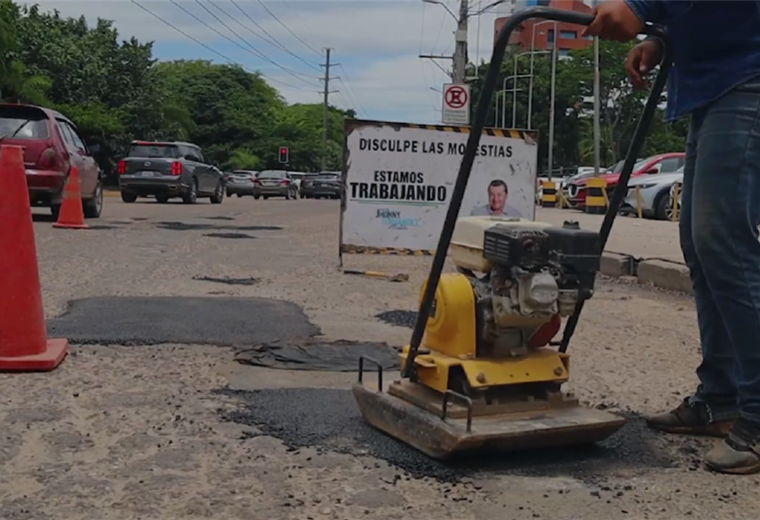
(182, 431)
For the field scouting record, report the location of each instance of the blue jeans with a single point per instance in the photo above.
(719, 240)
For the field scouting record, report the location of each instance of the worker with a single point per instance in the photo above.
(497, 202)
(715, 80)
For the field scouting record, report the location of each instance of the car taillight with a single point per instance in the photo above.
(48, 159)
(284, 181)
(256, 181)
(121, 167)
(176, 168)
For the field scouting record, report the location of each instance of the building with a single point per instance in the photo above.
(542, 32)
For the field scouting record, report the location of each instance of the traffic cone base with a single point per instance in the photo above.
(70, 226)
(43, 362)
(71, 215)
(24, 345)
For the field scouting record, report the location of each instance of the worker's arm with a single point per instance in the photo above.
(623, 20)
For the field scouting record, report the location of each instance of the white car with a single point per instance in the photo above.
(654, 192)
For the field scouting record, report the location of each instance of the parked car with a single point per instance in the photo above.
(52, 145)
(240, 182)
(672, 196)
(169, 169)
(655, 194)
(662, 163)
(326, 184)
(298, 178)
(584, 172)
(274, 183)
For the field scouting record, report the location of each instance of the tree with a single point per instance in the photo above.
(17, 84)
(573, 133)
(116, 92)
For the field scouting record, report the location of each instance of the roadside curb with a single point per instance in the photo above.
(661, 273)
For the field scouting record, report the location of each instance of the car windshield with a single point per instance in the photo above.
(154, 151)
(23, 123)
(272, 175)
(618, 168)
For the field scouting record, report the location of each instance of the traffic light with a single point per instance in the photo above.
(284, 154)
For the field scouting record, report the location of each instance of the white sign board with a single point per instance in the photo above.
(399, 178)
(456, 104)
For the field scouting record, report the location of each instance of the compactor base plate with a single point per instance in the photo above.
(421, 428)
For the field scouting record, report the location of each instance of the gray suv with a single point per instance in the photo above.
(166, 170)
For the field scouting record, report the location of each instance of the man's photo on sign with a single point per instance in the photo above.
(498, 193)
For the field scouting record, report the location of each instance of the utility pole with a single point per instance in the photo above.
(597, 107)
(460, 49)
(325, 107)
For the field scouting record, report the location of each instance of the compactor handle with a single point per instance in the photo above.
(484, 105)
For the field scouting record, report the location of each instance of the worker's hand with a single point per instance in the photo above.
(614, 20)
(640, 62)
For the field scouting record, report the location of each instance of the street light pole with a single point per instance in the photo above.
(551, 109)
(532, 53)
(597, 108)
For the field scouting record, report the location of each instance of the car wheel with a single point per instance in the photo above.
(230, 194)
(128, 196)
(256, 197)
(266, 198)
(218, 195)
(92, 208)
(55, 210)
(239, 195)
(287, 195)
(191, 197)
(162, 199)
(661, 210)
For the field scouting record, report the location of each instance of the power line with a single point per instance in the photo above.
(288, 28)
(273, 41)
(226, 58)
(351, 91)
(426, 80)
(293, 73)
(254, 52)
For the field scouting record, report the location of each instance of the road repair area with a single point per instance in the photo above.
(163, 410)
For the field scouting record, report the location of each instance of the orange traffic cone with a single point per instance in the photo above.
(71, 215)
(24, 345)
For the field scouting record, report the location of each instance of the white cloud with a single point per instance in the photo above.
(377, 42)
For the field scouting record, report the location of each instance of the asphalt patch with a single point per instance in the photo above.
(220, 217)
(316, 354)
(227, 280)
(398, 318)
(101, 226)
(184, 226)
(329, 420)
(193, 320)
(233, 236)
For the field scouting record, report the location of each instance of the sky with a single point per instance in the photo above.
(375, 42)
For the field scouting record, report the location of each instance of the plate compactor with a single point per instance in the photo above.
(482, 369)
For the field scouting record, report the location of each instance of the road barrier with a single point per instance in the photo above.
(24, 345)
(549, 194)
(596, 196)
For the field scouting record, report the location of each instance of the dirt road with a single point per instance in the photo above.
(182, 431)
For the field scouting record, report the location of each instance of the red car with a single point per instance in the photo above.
(663, 163)
(52, 145)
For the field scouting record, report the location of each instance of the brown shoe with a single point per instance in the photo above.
(690, 418)
(739, 453)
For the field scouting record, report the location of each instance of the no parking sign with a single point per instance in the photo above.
(456, 104)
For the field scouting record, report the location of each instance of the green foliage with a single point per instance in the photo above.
(621, 106)
(115, 92)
